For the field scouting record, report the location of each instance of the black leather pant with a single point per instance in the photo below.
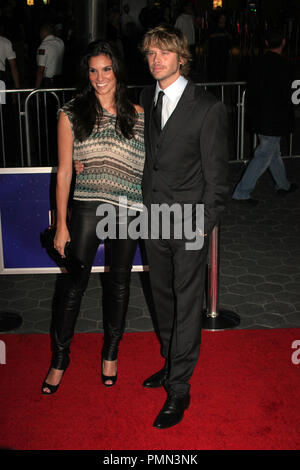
(85, 243)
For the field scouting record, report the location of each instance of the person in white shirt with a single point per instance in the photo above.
(50, 56)
(7, 53)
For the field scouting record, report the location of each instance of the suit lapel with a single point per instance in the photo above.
(148, 106)
(152, 139)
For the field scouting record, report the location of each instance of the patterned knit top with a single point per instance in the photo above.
(113, 165)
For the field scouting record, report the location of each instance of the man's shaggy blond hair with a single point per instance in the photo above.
(169, 38)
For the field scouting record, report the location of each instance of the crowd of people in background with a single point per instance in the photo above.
(214, 38)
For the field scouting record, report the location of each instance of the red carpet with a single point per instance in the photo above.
(244, 395)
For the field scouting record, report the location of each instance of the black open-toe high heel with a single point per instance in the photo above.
(110, 353)
(60, 361)
(108, 378)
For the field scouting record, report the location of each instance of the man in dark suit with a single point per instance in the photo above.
(186, 163)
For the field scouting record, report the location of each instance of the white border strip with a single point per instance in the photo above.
(95, 269)
(36, 169)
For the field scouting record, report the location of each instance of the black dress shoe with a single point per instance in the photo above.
(156, 380)
(172, 411)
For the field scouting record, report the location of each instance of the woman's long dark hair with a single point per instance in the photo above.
(87, 109)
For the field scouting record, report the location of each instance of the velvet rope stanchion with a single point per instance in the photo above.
(213, 318)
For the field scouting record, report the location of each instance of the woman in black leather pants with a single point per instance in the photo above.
(103, 130)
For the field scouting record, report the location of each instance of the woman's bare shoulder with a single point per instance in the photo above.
(138, 108)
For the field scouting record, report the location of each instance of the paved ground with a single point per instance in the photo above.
(259, 270)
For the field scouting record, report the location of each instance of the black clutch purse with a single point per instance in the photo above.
(70, 262)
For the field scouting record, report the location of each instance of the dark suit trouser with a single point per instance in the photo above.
(177, 279)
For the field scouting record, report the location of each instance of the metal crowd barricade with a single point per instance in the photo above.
(223, 91)
(16, 98)
(44, 93)
(32, 131)
(26, 139)
(19, 129)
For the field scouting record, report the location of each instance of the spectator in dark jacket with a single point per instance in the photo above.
(269, 113)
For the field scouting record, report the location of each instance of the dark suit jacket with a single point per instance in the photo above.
(269, 108)
(190, 161)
